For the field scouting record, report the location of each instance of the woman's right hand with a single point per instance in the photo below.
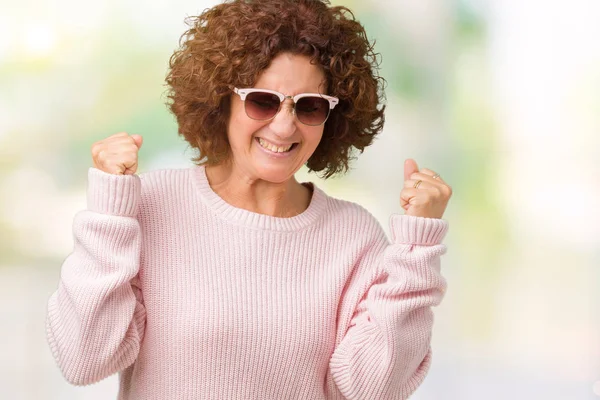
(117, 154)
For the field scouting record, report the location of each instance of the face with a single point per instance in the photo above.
(252, 142)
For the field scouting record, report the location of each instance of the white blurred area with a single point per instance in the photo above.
(545, 64)
(527, 329)
(545, 60)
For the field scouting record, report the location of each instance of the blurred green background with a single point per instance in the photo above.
(502, 98)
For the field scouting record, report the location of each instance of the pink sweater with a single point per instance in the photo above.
(188, 297)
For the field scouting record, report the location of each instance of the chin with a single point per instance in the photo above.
(274, 175)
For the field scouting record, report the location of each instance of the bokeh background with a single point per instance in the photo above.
(502, 97)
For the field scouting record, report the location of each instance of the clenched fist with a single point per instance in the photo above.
(425, 194)
(117, 154)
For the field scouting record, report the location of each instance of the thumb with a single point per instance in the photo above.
(410, 167)
(138, 140)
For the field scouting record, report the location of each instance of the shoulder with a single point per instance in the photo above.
(349, 216)
(166, 187)
(340, 208)
(162, 181)
(166, 175)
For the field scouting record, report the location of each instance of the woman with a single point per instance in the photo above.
(230, 279)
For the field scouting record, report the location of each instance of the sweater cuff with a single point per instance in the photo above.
(408, 229)
(113, 194)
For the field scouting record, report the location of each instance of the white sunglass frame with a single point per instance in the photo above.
(333, 101)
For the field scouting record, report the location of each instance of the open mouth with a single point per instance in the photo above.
(275, 149)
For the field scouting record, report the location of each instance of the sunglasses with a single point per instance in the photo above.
(310, 108)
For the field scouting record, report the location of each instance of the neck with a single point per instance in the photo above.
(284, 200)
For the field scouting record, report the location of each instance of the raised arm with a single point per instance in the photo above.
(385, 319)
(96, 317)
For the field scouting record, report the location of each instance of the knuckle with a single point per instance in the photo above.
(119, 135)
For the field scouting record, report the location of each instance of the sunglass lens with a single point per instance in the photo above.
(312, 110)
(261, 106)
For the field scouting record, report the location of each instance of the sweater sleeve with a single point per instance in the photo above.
(385, 319)
(96, 317)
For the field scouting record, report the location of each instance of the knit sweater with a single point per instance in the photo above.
(188, 297)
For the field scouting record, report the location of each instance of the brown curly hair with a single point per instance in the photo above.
(233, 42)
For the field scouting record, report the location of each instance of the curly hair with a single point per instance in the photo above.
(232, 43)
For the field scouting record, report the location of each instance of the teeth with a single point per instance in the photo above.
(274, 148)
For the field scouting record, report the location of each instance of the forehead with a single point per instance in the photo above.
(292, 74)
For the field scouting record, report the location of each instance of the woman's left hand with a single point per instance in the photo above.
(430, 196)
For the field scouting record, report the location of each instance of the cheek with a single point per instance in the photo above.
(236, 116)
(241, 129)
(316, 137)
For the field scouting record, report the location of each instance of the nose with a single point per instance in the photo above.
(284, 123)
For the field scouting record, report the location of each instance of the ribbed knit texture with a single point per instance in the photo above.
(188, 297)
